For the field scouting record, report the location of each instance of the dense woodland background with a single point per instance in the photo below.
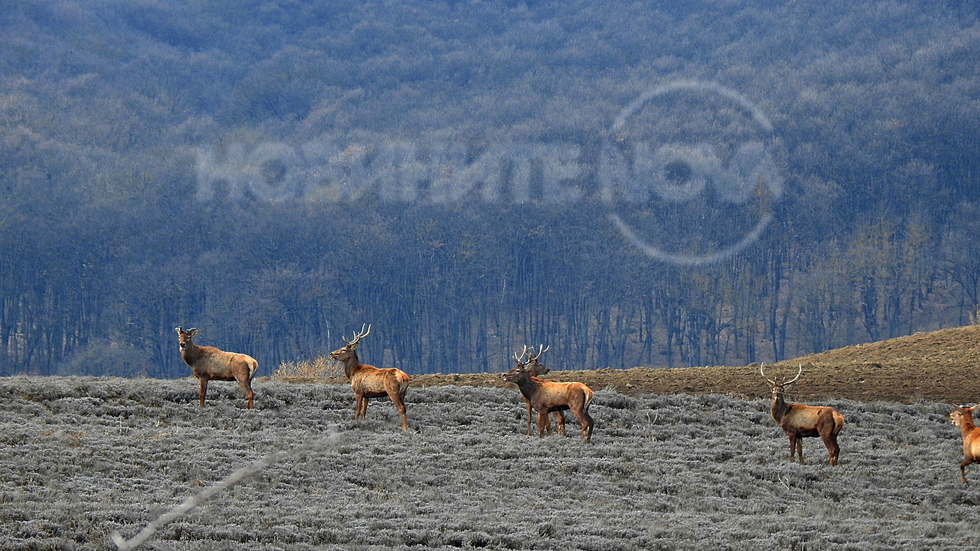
(106, 243)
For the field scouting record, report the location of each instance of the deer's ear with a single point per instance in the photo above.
(974, 408)
(179, 329)
(191, 332)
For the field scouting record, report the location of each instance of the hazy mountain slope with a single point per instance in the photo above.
(940, 366)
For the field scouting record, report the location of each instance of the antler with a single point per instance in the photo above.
(768, 380)
(521, 357)
(772, 382)
(541, 350)
(358, 336)
(798, 373)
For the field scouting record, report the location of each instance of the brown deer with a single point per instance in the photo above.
(368, 381)
(538, 369)
(551, 396)
(963, 418)
(207, 362)
(799, 421)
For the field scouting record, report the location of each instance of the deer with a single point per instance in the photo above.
(537, 370)
(799, 421)
(963, 418)
(551, 396)
(208, 362)
(368, 381)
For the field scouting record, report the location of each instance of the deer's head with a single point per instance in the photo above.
(519, 372)
(779, 387)
(962, 414)
(348, 350)
(533, 365)
(184, 337)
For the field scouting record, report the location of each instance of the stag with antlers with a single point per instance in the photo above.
(963, 418)
(799, 421)
(207, 362)
(538, 369)
(368, 381)
(551, 396)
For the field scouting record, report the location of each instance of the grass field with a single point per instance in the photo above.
(83, 457)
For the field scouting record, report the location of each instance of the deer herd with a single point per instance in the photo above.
(547, 398)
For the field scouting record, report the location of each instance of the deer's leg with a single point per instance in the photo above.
(529, 417)
(204, 389)
(247, 387)
(833, 450)
(358, 406)
(587, 423)
(399, 402)
(547, 422)
(799, 449)
(966, 461)
(560, 420)
(542, 423)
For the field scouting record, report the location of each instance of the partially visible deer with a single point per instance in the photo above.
(963, 418)
(799, 421)
(538, 369)
(207, 362)
(551, 396)
(368, 381)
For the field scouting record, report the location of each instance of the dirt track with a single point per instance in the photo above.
(939, 366)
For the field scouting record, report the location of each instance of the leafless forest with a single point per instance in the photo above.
(81, 458)
(279, 173)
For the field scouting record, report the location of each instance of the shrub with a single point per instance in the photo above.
(101, 356)
(309, 371)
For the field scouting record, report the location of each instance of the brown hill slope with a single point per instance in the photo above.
(941, 366)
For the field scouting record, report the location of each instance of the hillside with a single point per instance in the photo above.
(469, 176)
(937, 366)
